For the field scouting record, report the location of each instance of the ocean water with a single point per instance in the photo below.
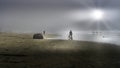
(105, 37)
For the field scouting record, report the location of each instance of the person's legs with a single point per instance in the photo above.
(70, 37)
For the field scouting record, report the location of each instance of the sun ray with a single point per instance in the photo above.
(91, 24)
(105, 22)
(113, 25)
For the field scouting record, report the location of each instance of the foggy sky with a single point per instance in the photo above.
(52, 15)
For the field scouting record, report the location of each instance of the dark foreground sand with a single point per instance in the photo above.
(21, 51)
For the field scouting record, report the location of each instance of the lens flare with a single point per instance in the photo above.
(97, 14)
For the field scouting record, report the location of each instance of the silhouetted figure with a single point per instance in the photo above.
(44, 32)
(103, 36)
(70, 35)
(38, 36)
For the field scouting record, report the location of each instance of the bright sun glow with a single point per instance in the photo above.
(97, 14)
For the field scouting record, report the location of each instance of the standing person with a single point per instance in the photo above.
(70, 35)
(44, 32)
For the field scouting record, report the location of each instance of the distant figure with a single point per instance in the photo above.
(44, 32)
(103, 36)
(70, 35)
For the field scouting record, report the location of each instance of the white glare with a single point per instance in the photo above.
(97, 14)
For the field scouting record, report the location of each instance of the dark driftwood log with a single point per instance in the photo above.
(38, 36)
